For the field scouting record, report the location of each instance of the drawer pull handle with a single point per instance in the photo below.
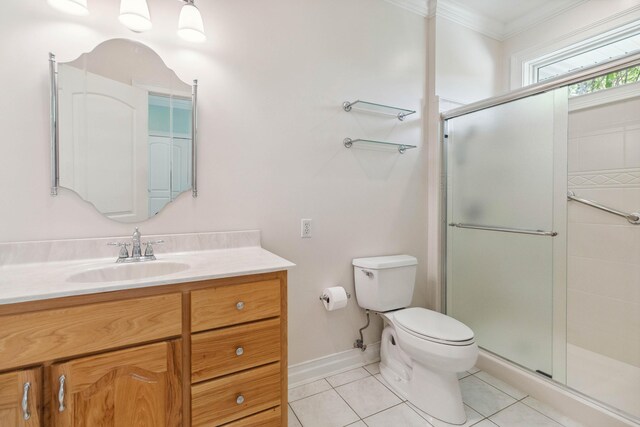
(240, 400)
(240, 305)
(239, 351)
(25, 402)
(61, 407)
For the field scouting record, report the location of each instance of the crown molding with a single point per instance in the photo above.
(499, 30)
(457, 13)
(420, 7)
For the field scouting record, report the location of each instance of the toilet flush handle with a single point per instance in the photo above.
(368, 273)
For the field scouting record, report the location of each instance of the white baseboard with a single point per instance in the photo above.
(316, 369)
(568, 403)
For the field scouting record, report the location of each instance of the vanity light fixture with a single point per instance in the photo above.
(134, 14)
(190, 25)
(72, 7)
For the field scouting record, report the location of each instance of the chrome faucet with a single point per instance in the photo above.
(136, 251)
(135, 238)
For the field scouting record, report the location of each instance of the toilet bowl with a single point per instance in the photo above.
(421, 350)
(420, 360)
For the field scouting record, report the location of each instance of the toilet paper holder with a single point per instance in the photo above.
(325, 298)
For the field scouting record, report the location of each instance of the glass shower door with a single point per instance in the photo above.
(501, 188)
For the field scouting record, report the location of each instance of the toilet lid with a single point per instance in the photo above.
(433, 324)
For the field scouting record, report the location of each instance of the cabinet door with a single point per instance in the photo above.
(135, 387)
(20, 398)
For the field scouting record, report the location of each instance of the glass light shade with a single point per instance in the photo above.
(73, 7)
(190, 25)
(134, 14)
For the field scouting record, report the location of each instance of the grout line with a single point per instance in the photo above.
(385, 409)
(313, 394)
(390, 389)
(467, 374)
(330, 385)
(354, 411)
(554, 420)
(295, 415)
(340, 396)
(508, 406)
(349, 382)
(382, 410)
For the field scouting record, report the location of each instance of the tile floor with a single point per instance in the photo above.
(361, 398)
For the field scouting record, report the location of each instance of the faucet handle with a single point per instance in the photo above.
(124, 253)
(149, 249)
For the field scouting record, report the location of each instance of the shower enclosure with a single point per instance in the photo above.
(542, 245)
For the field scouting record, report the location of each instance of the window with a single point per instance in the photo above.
(589, 57)
(613, 44)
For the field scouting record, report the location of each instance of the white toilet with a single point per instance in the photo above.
(421, 350)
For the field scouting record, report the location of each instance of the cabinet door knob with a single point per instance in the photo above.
(240, 305)
(25, 402)
(240, 399)
(61, 407)
(239, 351)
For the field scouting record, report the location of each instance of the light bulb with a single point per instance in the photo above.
(73, 7)
(190, 25)
(134, 14)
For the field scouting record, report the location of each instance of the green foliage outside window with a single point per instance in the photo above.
(615, 79)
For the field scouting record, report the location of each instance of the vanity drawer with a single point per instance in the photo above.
(268, 418)
(233, 349)
(233, 304)
(60, 333)
(235, 396)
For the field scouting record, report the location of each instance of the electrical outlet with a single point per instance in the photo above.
(305, 228)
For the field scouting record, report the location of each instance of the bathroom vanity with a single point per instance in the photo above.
(205, 345)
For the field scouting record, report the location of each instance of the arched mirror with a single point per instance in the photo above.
(123, 130)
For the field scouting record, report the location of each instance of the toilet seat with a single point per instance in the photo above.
(433, 326)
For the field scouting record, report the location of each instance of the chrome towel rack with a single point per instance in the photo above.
(505, 229)
(633, 218)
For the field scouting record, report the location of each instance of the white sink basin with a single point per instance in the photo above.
(133, 271)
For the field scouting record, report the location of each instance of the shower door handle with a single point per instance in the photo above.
(504, 229)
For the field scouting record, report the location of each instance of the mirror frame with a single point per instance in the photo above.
(55, 134)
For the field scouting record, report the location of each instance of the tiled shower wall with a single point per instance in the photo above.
(603, 300)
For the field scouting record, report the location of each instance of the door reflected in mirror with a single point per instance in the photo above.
(125, 125)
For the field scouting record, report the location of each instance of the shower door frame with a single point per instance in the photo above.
(528, 91)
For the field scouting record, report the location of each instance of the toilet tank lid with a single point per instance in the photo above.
(381, 262)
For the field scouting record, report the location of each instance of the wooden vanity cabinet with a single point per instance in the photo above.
(207, 353)
(134, 387)
(21, 398)
(238, 354)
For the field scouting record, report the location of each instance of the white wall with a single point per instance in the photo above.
(272, 77)
(468, 63)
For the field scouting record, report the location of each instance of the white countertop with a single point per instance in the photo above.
(45, 280)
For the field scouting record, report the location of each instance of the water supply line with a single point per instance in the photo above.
(360, 342)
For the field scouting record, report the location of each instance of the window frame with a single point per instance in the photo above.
(531, 67)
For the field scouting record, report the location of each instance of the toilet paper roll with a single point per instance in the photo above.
(336, 298)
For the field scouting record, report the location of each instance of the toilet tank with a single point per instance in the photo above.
(386, 282)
